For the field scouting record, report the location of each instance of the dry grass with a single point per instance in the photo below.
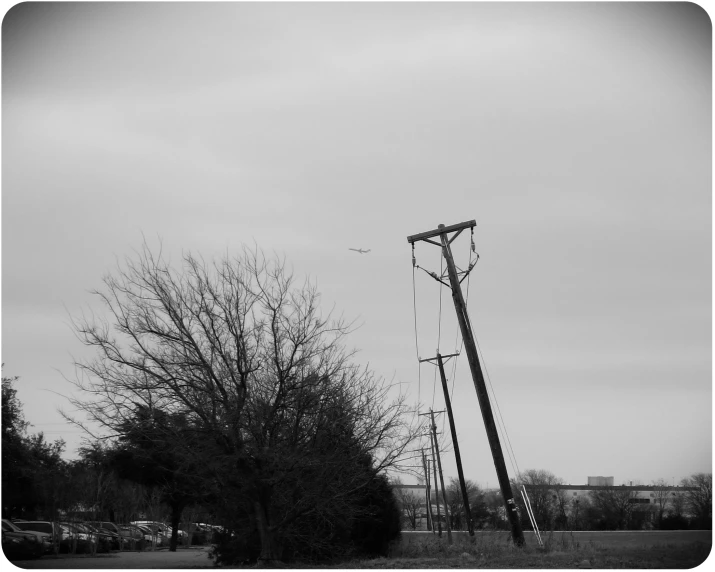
(496, 551)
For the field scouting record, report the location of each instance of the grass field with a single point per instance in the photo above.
(492, 550)
(608, 549)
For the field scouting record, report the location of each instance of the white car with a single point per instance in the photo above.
(180, 533)
(149, 535)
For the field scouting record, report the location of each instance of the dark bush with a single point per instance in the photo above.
(362, 526)
(199, 538)
(234, 549)
(674, 522)
(379, 521)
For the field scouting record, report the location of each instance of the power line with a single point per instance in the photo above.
(414, 310)
(510, 450)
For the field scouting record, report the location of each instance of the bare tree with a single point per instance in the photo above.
(540, 486)
(578, 509)
(661, 492)
(562, 508)
(677, 505)
(616, 505)
(411, 503)
(497, 519)
(152, 502)
(243, 352)
(699, 498)
(457, 511)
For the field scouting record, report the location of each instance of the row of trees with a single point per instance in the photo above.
(30, 464)
(619, 507)
(484, 507)
(223, 384)
(117, 483)
(556, 508)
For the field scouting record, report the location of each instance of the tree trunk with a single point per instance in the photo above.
(270, 556)
(175, 518)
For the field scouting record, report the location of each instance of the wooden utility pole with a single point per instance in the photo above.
(427, 492)
(441, 479)
(457, 456)
(436, 485)
(475, 367)
(435, 466)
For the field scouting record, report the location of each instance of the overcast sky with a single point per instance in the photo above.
(578, 136)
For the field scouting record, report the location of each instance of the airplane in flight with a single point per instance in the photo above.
(360, 250)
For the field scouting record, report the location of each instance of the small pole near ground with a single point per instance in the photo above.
(435, 465)
(434, 470)
(427, 492)
(441, 480)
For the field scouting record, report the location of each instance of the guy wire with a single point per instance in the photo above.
(439, 330)
(502, 425)
(461, 344)
(414, 311)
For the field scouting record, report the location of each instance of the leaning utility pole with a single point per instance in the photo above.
(457, 456)
(474, 366)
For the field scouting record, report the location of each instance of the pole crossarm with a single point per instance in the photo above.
(420, 414)
(428, 434)
(438, 231)
(435, 358)
(451, 240)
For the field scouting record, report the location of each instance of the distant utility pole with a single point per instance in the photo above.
(457, 456)
(435, 466)
(427, 492)
(441, 479)
(436, 496)
(477, 376)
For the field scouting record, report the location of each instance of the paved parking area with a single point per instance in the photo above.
(182, 558)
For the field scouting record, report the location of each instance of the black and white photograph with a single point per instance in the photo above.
(355, 285)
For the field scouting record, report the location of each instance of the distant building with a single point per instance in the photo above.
(644, 492)
(652, 495)
(412, 499)
(600, 481)
(413, 503)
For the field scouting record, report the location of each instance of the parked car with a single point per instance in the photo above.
(107, 538)
(43, 536)
(52, 529)
(18, 544)
(200, 533)
(75, 539)
(150, 536)
(181, 535)
(157, 527)
(112, 527)
(117, 538)
(104, 524)
(133, 536)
